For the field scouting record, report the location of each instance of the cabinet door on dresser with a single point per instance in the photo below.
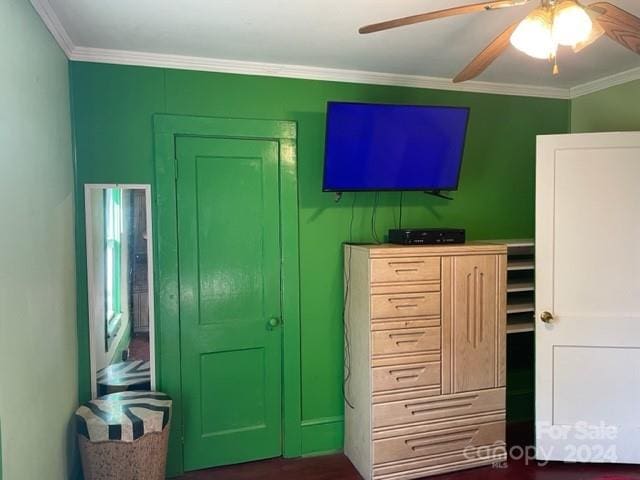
(473, 326)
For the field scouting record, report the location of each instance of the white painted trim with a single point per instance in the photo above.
(606, 82)
(53, 23)
(150, 286)
(184, 62)
(91, 286)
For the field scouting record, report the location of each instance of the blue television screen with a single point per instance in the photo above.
(393, 147)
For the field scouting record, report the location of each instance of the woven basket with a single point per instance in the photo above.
(142, 459)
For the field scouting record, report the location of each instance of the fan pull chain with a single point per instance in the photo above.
(556, 70)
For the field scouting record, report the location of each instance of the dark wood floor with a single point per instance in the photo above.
(139, 347)
(337, 467)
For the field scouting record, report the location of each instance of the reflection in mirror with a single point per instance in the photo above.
(119, 269)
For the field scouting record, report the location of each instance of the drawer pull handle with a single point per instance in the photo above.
(405, 270)
(405, 338)
(444, 439)
(399, 376)
(461, 400)
(408, 305)
(401, 299)
(413, 262)
(415, 409)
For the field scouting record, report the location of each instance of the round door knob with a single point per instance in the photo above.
(546, 317)
(273, 322)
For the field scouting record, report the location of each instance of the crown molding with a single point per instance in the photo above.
(306, 72)
(183, 62)
(606, 82)
(53, 23)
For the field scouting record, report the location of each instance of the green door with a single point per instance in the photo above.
(229, 274)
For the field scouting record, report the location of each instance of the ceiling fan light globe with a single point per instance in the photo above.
(533, 35)
(571, 23)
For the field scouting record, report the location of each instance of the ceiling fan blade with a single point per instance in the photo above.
(619, 25)
(596, 32)
(449, 12)
(487, 56)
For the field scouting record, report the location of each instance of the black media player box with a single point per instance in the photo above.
(426, 236)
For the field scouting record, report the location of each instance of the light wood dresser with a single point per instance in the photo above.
(425, 358)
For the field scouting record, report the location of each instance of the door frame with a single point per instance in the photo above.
(167, 306)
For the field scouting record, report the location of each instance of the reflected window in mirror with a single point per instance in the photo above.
(113, 262)
(120, 277)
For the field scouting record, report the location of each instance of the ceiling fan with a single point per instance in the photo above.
(553, 23)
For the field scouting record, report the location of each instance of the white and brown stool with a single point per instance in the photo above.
(124, 436)
(123, 376)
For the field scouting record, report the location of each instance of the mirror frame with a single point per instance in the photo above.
(88, 188)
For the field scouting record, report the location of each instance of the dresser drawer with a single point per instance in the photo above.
(413, 375)
(439, 441)
(414, 410)
(396, 305)
(405, 340)
(405, 269)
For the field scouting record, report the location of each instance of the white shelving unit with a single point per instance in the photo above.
(517, 264)
(520, 285)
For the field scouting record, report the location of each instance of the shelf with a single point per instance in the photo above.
(520, 307)
(519, 392)
(526, 264)
(516, 242)
(522, 286)
(520, 327)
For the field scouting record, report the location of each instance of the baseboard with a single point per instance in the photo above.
(322, 436)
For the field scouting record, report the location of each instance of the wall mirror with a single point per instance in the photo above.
(120, 287)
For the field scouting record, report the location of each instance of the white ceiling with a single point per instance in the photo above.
(319, 33)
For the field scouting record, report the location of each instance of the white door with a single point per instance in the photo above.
(588, 280)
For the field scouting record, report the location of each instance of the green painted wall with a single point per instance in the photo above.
(610, 110)
(38, 342)
(113, 108)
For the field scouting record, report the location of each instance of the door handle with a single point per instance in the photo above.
(546, 317)
(272, 323)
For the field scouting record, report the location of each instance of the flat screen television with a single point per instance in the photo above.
(376, 147)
